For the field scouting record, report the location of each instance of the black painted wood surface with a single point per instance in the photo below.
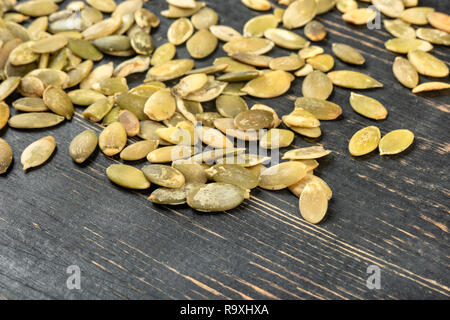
(392, 212)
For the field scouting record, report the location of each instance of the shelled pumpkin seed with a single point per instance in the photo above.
(38, 152)
(127, 176)
(83, 145)
(6, 156)
(364, 141)
(396, 142)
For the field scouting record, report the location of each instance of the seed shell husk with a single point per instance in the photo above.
(399, 45)
(252, 59)
(367, 106)
(254, 119)
(233, 174)
(190, 83)
(29, 104)
(417, 15)
(232, 66)
(399, 28)
(180, 31)
(276, 120)
(322, 62)
(427, 64)
(230, 106)
(390, 8)
(58, 101)
(298, 187)
(226, 125)
(258, 5)
(193, 172)
(434, 36)
(301, 118)
(431, 86)
(347, 54)
(282, 175)
(4, 114)
(287, 63)
(405, 72)
(8, 86)
(204, 18)
(38, 152)
(360, 16)
(164, 176)
(306, 153)
(168, 196)
(439, 20)
(6, 156)
(248, 45)
(255, 27)
(83, 145)
(35, 120)
(304, 71)
(127, 176)
(213, 138)
(210, 91)
(49, 44)
(113, 139)
(315, 31)
(163, 53)
(313, 203)
(319, 108)
(299, 13)
(36, 8)
(176, 12)
(353, 80)
(201, 44)
(396, 142)
(269, 85)
(364, 141)
(276, 138)
(84, 49)
(317, 85)
(171, 153)
(169, 70)
(216, 196)
(224, 33)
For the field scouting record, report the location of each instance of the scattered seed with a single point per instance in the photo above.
(253, 119)
(83, 145)
(215, 197)
(299, 13)
(213, 138)
(257, 26)
(317, 85)
(190, 83)
(35, 120)
(319, 108)
(233, 174)
(405, 72)
(168, 196)
(417, 15)
(169, 70)
(38, 152)
(353, 80)
(298, 187)
(224, 33)
(431, 86)
(248, 45)
(360, 16)
(171, 153)
(306, 153)
(395, 142)
(130, 122)
(434, 36)
(164, 176)
(313, 203)
(180, 31)
(364, 141)
(113, 139)
(160, 106)
(347, 54)
(226, 125)
(439, 20)
(58, 101)
(193, 172)
(6, 156)
(322, 62)
(287, 63)
(427, 64)
(269, 85)
(400, 29)
(210, 91)
(127, 177)
(390, 8)
(276, 138)
(282, 175)
(301, 118)
(368, 107)
(315, 31)
(201, 44)
(400, 45)
(163, 53)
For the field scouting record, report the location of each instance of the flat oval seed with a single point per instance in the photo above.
(171, 153)
(35, 120)
(111, 86)
(164, 176)
(213, 138)
(83, 145)
(276, 138)
(103, 5)
(405, 72)
(299, 13)
(253, 119)
(130, 122)
(113, 139)
(180, 31)
(395, 142)
(322, 62)
(439, 20)
(168, 196)
(417, 15)
(298, 187)
(239, 76)
(84, 49)
(233, 174)
(315, 31)
(85, 97)
(276, 120)
(4, 114)
(163, 53)
(187, 4)
(434, 36)
(364, 141)
(230, 106)
(30, 104)
(301, 118)
(224, 33)
(400, 45)
(232, 66)
(6, 156)
(8, 86)
(58, 101)
(160, 106)
(367, 106)
(127, 177)
(320, 109)
(307, 132)
(139, 150)
(269, 85)
(347, 54)
(390, 8)
(258, 5)
(353, 80)
(190, 83)
(313, 203)
(204, 18)
(201, 44)
(287, 63)
(169, 70)
(49, 44)
(399, 29)
(431, 86)
(360, 16)
(215, 197)
(102, 28)
(346, 5)
(256, 26)
(427, 64)
(317, 85)
(36, 8)
(248, 45)
(38, 152)
(211, 90)
(226, 125)
(306, 153)
(193, 172)
(176, 12)
(282, 175)
(148, 129)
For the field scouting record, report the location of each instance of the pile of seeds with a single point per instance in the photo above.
(51, 64)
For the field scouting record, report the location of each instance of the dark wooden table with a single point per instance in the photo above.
(392, 212)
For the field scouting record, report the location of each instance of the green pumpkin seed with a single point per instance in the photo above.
(282, 175)
(417, 15)
(189, 108)
(83, 145)
(276, 120)
(364, 141)
(258, 5)
(320, 109)
(142, 43)
(6, 156)
(205, 198)
(315, 31)
(317, 85)
(38, 152)
(226, 125)
(277, 138)
(111, 86)
(252, 59)
(233, 174)
(130, 66)
(36, 8)
(396, 142)
(431, 86)
(211, 90)
(299, 13)
(211, 155)
(434, 36)
(313, 203)
(298, 187)
(177, 12)
(175, 119)
(163, 53)
(301, 118)
(30, 104)
(239, 76)
(31, 86)
(427, 64)
(390, 8)
(193, 172)
(113, 139)
(306, 153)
(49, 44)
(232, 66)
(230, 106)
(180, 31)
(360, 16)
(35, 120)
(130, 122)
(244, 160)
(77, 74)
(248, 45)
(322, 62)
(400, 45)
(164, 176)
(400, 29)
(204, 18)
(127, 7)
(171, 153)
(310, 164)
(160, 106)
(224, 33)
(256, 26)
(58, 101)
(112, 43)
(84, 49)
(201, 44)
(368, 107)
(324, 6)
(168, 196)
(234, 89)
(127, 177)
(187, 4)
(269, 85)
(99, 109)
(439, 20)
(102, 28)
(353, 80)
(111, 117)
(138, 150)
(347, 54)
(190, 83)
(133, 103)
(84, 97)
(169, 70)
(254, 119)
(287, 63)
(405, 72)
(8, 86)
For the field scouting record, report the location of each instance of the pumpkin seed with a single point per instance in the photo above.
(276, 120)
(439, 20)
(126, 7)
(299, 13)
(400, 29)
(234, 89)
(400, 45)
(132, 102)
(211, 90)
(213, 138)
(390, 8)
(298, 187)
(127, 177)
(368, 107)
(201, 44)
(190, 83)
(84, 97)
(8, 86)
(317, 85)
(287, 63)
(6, 156)
(113, 139)
(49, 44)
(306, 153)
(301, 118)
(211, 155)
(434, 36)
(163, 53)
(4, 114)
(189, 108)
(320, 109)
(395, 142)
(180, 31)
(168, 196)
(38, 152)
(187, 4)
(230, 106)
(107, 6)
(307, 132)
(160, 106)
(84, 49)
(204, 18)
(30, 104)
(269, 85)
(99, 109)
(252, 59)
(147, 131)
(215, 197)
(322, 62)
(58, 101)
(277, 138)
(347, 54)
(146, 19)
(257, 26)
(239, 76)
(130, 122)
(112, 43)
(405, 72)
(192, 172)
(22, 54)
(111, 116)
(142, 43)
(427, 64)
(324, 6)
(226, 125)
(254, 119)
(102, 28)
(244, 160)
(83, 145)
(31, 86)
(171, 153)
(36, 8)
(233, 174)
(232, 66)
(313, 203)
(248, 45)
(410, 3)
(164, 176)
(177, 12)
(35, 120)
(135, 65)
(346, 5)
(360, 16)
(417, 15)
(77, 74)
(315, 31)
(431, 86)
(353, 80)
(175, 119)
(364, 141)
(182, 133)
(224, 33)
(282, 175)
(258, 5)
(169, 70)
(304, 71)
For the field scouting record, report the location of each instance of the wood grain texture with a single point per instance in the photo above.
(389, 211)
